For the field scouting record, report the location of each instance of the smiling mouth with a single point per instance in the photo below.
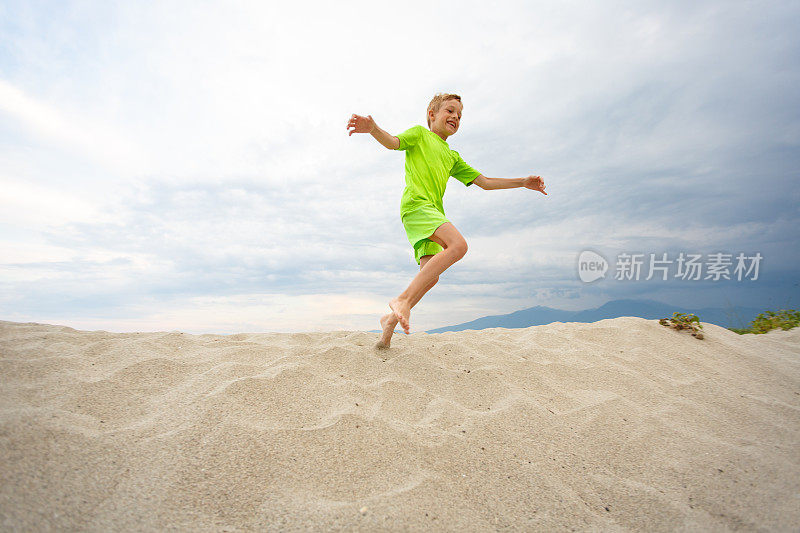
(452, 123)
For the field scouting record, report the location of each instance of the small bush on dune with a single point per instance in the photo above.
(767, 321)
(681, 321)
(785, 319)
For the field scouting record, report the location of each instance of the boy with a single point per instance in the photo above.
(429, 164)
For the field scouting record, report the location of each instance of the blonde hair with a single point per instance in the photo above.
(436, 104)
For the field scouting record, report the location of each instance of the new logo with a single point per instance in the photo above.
(591, 266)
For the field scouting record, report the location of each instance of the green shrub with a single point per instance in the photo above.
(785, 319)
(681, 321)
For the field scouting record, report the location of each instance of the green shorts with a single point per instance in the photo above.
(420, 224)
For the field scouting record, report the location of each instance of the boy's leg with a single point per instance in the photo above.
(389, 320)
(455, 247)
(422, 261)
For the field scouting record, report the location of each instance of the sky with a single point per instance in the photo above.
(186, 165)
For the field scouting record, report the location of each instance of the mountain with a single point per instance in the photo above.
(537, 316)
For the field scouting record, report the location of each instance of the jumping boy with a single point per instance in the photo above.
(429, 164)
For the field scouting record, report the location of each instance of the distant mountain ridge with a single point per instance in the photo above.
(538, 316)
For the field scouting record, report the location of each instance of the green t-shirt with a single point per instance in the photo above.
(429, 164)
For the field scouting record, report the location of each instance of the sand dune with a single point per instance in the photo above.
(618, 425)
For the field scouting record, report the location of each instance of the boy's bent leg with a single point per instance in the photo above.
(455, 247)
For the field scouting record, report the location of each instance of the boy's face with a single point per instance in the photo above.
(447, 119)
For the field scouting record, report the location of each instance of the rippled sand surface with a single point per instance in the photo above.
(618, 425)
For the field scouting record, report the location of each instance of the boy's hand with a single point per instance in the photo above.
(361, 124)
(535, 183)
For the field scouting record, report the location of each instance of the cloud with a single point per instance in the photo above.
(180, 154)
(67, 131)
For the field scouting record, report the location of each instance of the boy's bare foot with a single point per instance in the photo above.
(388, 322)
(402, 311)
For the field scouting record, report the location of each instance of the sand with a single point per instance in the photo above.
(618, 425)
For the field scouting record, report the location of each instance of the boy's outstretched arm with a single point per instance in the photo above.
(535, 183)
(367, 125)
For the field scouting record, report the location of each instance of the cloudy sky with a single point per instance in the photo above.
(186, 165)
